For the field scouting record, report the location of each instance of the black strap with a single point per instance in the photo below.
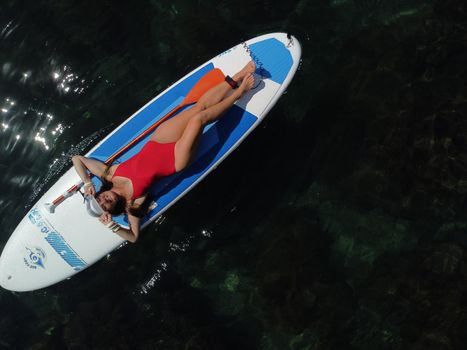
(231, 82)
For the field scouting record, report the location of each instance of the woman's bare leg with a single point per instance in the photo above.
(172, 129)
(186, 145)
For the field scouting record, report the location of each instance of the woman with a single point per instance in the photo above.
(169, 150)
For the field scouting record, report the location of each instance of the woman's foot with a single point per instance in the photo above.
(247, 84)
(250, 67)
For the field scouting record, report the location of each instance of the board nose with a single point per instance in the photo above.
(22, 264)
(20, 279)
(7, 280)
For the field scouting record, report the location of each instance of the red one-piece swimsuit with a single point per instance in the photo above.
(154, 161)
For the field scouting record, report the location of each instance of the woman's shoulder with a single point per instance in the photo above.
(137, 202)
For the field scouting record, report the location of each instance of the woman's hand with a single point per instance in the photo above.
(128, 235)
(89, 189)
(105, 218)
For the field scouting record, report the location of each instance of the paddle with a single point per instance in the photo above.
(209, 80)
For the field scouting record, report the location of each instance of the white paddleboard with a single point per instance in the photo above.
(47, 247)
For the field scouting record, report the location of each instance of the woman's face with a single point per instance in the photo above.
(107, 200)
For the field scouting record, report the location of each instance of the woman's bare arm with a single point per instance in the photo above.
(134, 222)
(130, 235)
(82, 164)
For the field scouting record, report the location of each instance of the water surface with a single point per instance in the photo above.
(338, 224)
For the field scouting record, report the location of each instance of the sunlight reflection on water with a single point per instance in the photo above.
(26, 118)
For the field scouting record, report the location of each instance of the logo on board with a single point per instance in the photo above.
(35, 257)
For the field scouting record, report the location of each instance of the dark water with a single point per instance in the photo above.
(339, 224)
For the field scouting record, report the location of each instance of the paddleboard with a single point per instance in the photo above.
(47, 248)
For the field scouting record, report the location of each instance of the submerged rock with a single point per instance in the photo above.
(445, 259)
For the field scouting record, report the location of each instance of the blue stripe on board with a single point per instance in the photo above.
(57, 242)
(275, 57)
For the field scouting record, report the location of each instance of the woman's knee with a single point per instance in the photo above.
(199, 106)
(200, 119)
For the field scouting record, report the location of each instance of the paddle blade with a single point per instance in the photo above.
(209, 80)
